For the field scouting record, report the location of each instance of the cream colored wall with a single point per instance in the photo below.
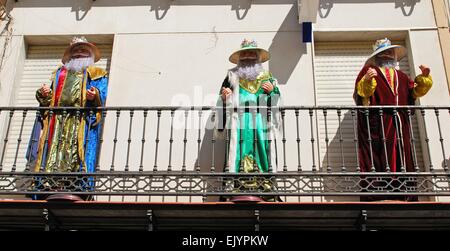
(357, 14)
(14, 56)
(142, 16)
(442, 16)
(426, 50)
(13, 60)
(193, 31)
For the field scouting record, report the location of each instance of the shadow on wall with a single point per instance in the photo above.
(286, 52)
(81, 8)
(211, 155)
(241, 5)
(160, 7)
(407, 6)
(339, 156)
(334, 159)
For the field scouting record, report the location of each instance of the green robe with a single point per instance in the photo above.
(245, 154)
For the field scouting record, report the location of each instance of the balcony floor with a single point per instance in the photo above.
(29, 215)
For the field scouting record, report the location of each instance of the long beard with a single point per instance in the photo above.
(78, 64)
(387, 63)
(249, 71)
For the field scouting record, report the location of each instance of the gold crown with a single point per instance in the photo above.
(76, 40)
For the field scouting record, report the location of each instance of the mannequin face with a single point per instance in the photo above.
(387, 55)
(248, 55)
(81, 51)
(386, 59)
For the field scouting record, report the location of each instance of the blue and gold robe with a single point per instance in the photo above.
(68, 141)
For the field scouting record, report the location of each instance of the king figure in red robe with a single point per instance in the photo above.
(385, 137)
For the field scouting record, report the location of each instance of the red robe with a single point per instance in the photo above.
(385, 96)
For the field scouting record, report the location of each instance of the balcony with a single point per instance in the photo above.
(160, 155)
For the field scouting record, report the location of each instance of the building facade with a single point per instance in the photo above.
(175, 53)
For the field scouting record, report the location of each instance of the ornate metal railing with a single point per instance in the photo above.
(177, 151)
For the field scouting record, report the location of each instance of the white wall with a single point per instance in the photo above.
(426, 50)
(382, 14)
(14, 56)
(12, 64)
(142, 16)
(161, 42)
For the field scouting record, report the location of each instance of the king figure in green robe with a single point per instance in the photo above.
(250, 97)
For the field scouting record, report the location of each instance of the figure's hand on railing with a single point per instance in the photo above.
(45, 90)
(226, 92)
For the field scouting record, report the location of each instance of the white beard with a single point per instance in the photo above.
(387, 63)
(78, 64)
(249, 71)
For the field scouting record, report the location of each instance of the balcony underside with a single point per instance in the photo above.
(39, 215)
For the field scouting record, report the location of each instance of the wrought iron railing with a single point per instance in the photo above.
(177, 151)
